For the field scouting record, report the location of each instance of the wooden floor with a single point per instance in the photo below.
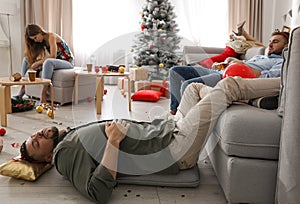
(53, 188)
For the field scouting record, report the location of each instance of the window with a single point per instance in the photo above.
(203, 22)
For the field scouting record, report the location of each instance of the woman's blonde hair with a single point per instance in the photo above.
(33, 50)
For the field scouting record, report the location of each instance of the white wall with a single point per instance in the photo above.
(296, 14)
(16, 28)
(273, 12)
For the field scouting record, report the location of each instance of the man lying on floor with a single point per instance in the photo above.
(92, 156)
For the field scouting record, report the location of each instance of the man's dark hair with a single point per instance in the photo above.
(285, 35)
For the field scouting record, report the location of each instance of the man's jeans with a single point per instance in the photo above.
(182, 76)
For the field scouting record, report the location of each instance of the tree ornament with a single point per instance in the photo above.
(161, 65)
(143, 27)
(2, 131)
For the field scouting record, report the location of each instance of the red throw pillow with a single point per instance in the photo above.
(146, 95)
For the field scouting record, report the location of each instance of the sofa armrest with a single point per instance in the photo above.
(194, 54)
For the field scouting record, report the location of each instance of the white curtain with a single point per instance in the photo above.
(4, 41)
(97, 22)
(205, 22)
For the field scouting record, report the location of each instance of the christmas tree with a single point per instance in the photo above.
(157, 42)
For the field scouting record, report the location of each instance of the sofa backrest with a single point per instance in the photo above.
(251, 52)
(194, 54)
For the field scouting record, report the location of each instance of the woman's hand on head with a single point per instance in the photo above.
(116, 131)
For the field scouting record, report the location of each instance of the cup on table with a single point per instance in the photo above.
(89, 67)
(31, 75)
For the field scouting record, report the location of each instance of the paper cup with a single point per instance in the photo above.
(89, 67)
(31, 75)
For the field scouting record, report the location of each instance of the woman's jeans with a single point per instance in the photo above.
(182, 76)
(49, 66)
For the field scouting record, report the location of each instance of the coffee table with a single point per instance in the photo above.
(100, 86)
(5, 94)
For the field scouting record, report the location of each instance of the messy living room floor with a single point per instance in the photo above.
(51, 187)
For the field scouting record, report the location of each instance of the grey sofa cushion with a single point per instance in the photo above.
(185, 178)
(63, 78)
(247, 131)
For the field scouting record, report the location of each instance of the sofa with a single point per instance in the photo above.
(245, 145)
(63, 81)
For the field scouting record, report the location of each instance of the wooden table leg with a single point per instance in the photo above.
(3, 108)
(52, 100)
(129, 94)
(8, 99)
(76, 89)
(102, 87)
(99, 94)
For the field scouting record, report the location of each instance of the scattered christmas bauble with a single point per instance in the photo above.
(121, 69)
(161, 65)
(50, 113)
(90, 99)
(2, 131)
(39, 109)
(105, 91)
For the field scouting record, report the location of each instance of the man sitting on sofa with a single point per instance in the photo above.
(91, 155)
(262, 66)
